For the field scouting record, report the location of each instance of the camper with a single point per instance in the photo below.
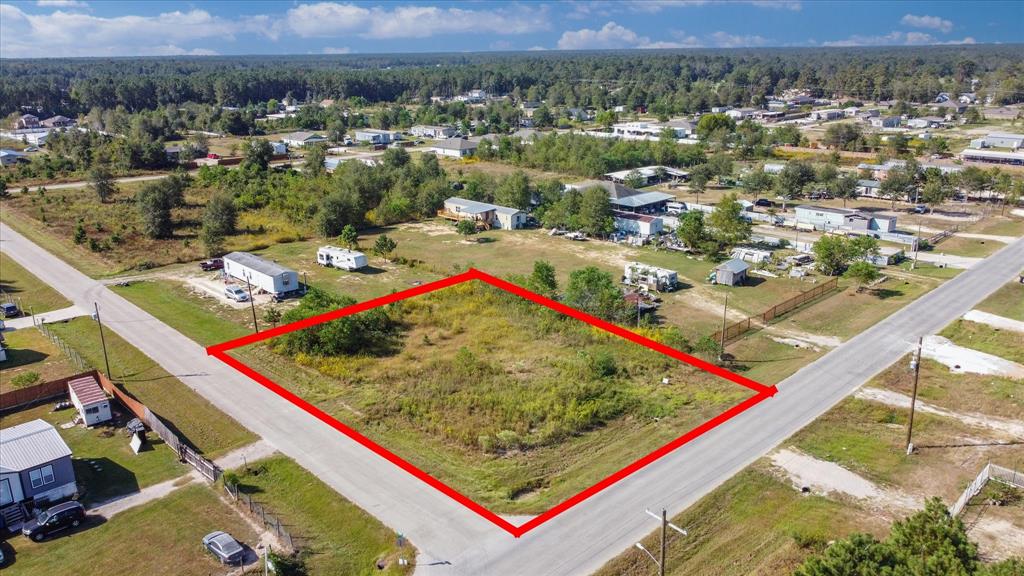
(650, 277)
(340, 258)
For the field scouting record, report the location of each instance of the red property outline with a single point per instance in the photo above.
(762, 392)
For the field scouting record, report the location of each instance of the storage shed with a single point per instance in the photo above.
(90, 400)
(731, 272)
(263, 274)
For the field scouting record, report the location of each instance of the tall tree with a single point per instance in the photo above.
(595, 212)
(102, 182)
(791, 181)
(349, 237)
(384, 246)
(691, 229)
(258, 153)
(313, 163)
(728, 227)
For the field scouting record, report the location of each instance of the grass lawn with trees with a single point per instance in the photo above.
(27, 290)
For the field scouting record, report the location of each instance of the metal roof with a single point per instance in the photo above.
(87, 390)
(643, 199)
(735, 266)
(254, 262)
(456, 144)
(30, 445)
(470, 206)
(302, 136)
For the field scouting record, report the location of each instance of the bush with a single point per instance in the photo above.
(25, 379)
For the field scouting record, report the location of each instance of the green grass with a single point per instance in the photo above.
(27, 290)
(970, 247)
(1008, 301)
(998, 226)
(202, 425)
(105, 466)
(1003, 343)
(339, 536)
(172, 304)
(752, 524)
(764, 360)
(929, 270)
(28, 351)
(161, 538)
(87, 262)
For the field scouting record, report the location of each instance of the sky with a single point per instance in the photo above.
(62, 28)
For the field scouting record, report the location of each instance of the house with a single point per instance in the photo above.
(650, 277)
(926, 122)
(824, 115)
(580, 114)
(731, 272)
(488, 215)
(740, 114)
(26, 121)
(886, 256)
(773, 168)
(90, 400)
(280, 148)
(373, 136)
(634, 224)
(1004, 140)
(885, 121)
(868, 187)
(432, 132)
(57, 122)
(649, 174)
(843, 219)
(455, 148)
(35, 468)
(331, 163)
(968, 98)
(12, 157)
(300, 139)
(652, 130)
(625, 198)
(173, 153)
(526, 135)
(262, 274)
(993, 157)
(720, 109)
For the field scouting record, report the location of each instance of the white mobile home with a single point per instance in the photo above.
(340, 258)
(90, 400)
(490, 215)
(435, 132)
(637, 224)
(263, 274)
(374, 136)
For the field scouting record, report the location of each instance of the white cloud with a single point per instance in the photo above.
(326, 19)
(726, 40)
(896, 38)
(79, 34)
(62, 4)
(653, 6)
(536, 48)
(333, 50)
(610, 36)
(929, 22)
(172, 50)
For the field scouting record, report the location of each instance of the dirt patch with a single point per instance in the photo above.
(430, 228)
(994, 320)
(801, 339)
(960, 360)
(998, 538)
(1014, 428)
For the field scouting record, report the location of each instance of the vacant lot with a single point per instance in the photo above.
(1007, 301)
(32, 359)
(26, 290)
(200, 317)
(998, 226)
(105, 465)
(511, 403)
(972, 247)
(336, 535)
(1004, 343)
(199, 422)
(162, 538)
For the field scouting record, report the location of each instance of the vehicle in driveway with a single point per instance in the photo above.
(10, 310)
(764, 202)
(236, 293)
(212, 264)
(60, 517)
(224, 547)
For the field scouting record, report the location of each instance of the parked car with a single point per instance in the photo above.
(235, 293)
(60, 517)
(764, 202)
(212, 264)
(10, 310)
(224, 547)
(920, 209)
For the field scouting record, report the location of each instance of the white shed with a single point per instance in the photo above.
(90, 400)
(263, 274)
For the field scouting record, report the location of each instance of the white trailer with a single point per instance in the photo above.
(650, 277)
(340, 258)
(263, 274)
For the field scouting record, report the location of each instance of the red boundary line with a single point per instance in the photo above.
(762, 392)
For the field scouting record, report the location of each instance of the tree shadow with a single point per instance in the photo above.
(884, 293)
(21, 357)
(371, 270)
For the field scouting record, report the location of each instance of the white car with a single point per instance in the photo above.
(236, 293)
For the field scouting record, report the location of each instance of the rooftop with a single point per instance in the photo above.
(735, 266)
(456, 144)
(302, 136)
(258, 264)
(29, 445)
(87, 390)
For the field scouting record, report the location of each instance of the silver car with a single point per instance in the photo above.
(224, 547)
(236, 293)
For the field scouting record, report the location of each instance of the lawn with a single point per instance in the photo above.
(337, 536)
(970, 247)
(201, 319)
(1003, 343)
(998, 226)
(754, 523)
(161, 538)
(105, 465)
(199, 422)
(512, 404)
(32, 359)
(26, 290)
(1008, 301)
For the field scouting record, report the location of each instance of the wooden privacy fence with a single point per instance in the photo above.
(989, 472)
(935, 239)
(259, 511)
(20, 397)
(737, 329)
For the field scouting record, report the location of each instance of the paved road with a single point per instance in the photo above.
(454, 541)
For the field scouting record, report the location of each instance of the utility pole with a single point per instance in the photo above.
(725, 318)
(252, 304)
(665, 525)
(103, 340)
(915, 365)
(917, 243)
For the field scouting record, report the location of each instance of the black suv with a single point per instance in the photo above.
(60, 517)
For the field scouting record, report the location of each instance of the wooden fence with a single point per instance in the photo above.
(989, 472)
(737, 329)
(22, 397)
(936, 238)
(257, 510)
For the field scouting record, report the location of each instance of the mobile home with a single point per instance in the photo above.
(263, 274)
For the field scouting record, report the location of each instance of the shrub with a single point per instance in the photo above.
(25, 379)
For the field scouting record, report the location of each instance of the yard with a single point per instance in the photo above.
(105, 466)
(1007, 301)
(970, 247)
(199, 422)
(998, 226)
(161, 538)
(32, 359)
(29, 292)
(1004, 343)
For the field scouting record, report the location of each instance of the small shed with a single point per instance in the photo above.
(90, 400)
(731, 272)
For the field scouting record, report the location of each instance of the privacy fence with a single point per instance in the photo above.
(259, 511)
(21, 397)
(737, 329)
(989, 472)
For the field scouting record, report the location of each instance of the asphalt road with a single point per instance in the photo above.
(453, 540)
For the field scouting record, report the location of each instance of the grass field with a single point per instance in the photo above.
(1003, 343)
(338, 537)
(161, 538)
(27, 290)
(998, 226)
(201, 319)
(105, 465)
(512, 404)
(971, 247)
(1007, 301)
(28, 353)
(198, 421)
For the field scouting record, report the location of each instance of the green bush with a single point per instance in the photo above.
(25, 379)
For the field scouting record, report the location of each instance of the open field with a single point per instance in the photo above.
(161, 538)
(998, 226)
(509, 402)
(105, 465)
(26, 290)
(971, 247)
(337, 536)
(200, 424)
(1007, 301)
(1004, 343)
(187, 312)
(28, 353)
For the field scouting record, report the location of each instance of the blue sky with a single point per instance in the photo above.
(109, 28)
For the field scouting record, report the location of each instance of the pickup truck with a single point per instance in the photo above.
(212, 264)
